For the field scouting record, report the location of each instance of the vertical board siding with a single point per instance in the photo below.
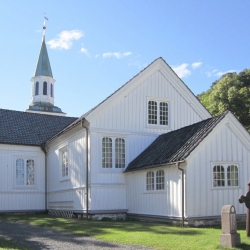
(71, 189)
(129, 112)
(225, 147)
(163, 203)
(12, 197)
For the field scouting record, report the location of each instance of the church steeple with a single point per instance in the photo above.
(42, 99)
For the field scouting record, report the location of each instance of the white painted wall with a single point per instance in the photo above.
(20, 198)
(67, 193)
(221, 146)
(158, 202)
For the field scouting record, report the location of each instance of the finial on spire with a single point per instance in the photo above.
(44, 25)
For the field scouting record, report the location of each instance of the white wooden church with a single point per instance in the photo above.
(150, 151)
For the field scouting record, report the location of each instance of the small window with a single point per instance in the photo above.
(25, 172)
(158, 113)
(51, 90)
(160, 180)
(65, 167)
(225, 175)
(44, 88)
(150, 180)
(37, 88)
(119, 153)
(106, 152)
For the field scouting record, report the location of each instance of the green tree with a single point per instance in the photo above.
(230, 92)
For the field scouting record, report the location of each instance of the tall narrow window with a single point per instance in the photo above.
(44, 88)
(160, 180)
(106, 152)
(51, 90)
(157, 113)
(119, 153)
(19, 172)
(37, 88)
(65, 168)
(150, 180)
(232, 175)
(152, 112)
(30, 172)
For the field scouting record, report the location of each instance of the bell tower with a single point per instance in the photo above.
(42, 91)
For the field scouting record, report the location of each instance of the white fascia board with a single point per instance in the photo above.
(185, 92)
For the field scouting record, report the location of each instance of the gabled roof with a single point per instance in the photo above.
(34, 129)
(174, 146)
(43, 65)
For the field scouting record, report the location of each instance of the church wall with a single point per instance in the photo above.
(222, 147)
(67, 193)
(21, 197)
(165, 202)
(128, 111)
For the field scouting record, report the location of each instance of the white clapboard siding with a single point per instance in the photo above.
(19, 198)
(71, 189)
(221, 146)
(128, 112)
(161, 203)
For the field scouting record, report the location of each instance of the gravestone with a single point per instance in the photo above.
(229, 236)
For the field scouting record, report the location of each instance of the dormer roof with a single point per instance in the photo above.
(43, 65)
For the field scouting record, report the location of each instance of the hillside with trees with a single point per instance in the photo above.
(230, 92)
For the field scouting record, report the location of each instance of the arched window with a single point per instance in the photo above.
(232, 176)
(37, 88)
(51, 90)
(44, 88)
(150, 180)
(160, 180)
(218, 176)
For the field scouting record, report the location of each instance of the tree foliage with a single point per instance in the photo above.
(230, 92)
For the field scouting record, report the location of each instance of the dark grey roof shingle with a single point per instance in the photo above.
(25, 128)
(174, 146)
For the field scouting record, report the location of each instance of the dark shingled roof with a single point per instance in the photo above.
(174, 146)
(25, 128)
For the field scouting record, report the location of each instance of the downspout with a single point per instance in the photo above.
(182, 192)
(87, 168)
(46, 180)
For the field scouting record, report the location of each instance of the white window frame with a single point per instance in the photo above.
(113, 161)
(225, 179)
(155, 183)
(61, 162)
(25, 159)
(158, 101)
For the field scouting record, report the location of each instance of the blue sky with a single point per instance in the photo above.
(96, 46)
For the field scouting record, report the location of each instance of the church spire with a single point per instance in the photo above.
(42, 99)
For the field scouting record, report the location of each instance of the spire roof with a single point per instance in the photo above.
(43, 65)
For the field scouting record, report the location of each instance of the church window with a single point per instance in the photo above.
(37, 88)
(113, 153)
(25, 172)
(225, 175)
(51, 90)
(160, 180)
(65, 167)
(150, 180)
(44, 88)
(157, 112)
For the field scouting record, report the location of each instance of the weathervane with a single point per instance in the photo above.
(44, 25)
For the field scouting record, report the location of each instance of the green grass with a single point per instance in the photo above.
(154, 235)
(8, 244)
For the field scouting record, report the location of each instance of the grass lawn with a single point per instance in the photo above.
(154, 235)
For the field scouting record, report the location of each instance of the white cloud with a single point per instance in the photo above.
(84, 51)
(117, 55)
(196, 65)
(96, 56)
(218, 73)
(182, 70)
(64, 39)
